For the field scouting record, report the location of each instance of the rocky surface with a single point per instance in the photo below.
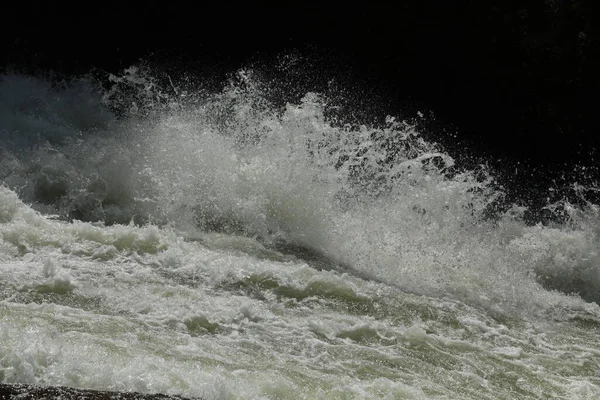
(26, 392)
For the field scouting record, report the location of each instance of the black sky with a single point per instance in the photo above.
(516, 81)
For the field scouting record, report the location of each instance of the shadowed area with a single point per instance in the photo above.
(66, 393)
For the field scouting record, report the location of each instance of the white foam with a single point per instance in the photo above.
(276, 253)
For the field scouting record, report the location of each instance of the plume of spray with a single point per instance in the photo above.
(378, 199)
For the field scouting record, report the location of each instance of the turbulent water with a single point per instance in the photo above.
(231, 245)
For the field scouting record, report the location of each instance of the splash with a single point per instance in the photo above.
(379, 200)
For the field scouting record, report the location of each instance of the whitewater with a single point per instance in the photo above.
(234, 244)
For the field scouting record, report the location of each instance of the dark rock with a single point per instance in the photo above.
(26, 392)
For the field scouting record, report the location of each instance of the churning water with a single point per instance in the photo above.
(222, 246)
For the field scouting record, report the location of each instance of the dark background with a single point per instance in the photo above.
(515, 83)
